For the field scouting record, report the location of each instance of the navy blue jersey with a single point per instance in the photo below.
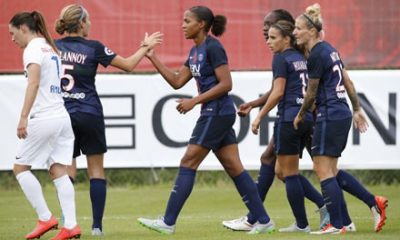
(292, 66)
(325, 64)
(80, 58)
(202, 61)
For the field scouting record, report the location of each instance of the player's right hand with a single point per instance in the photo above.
(244, 109)
(22, 126)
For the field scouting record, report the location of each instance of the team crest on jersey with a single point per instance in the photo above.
(201, 57)
(108, 51)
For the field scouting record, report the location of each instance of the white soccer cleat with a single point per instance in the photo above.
(259, 228)
(157, 225)
(329, 229)
(240, 224)
(351, 227)
(324, 218)
(295, 228)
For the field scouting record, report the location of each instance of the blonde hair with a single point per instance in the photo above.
(312, 17)
(70, 18)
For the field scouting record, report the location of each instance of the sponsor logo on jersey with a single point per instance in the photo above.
(55, 89)
(73, 95)
(195, 69)
(201, 57)
(108, 51)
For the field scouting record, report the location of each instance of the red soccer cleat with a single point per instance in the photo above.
(379, 213)
(68, 233)
(43, 227)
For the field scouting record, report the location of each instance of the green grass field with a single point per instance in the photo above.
(200, 218)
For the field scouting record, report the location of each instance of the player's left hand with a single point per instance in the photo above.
(21, 129)
(255, 125)
(298, 119)
(360, 122)
(185, 105)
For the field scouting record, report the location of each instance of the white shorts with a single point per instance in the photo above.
(49, 140)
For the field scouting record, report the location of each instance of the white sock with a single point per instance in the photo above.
(66, 196)
(33, 192)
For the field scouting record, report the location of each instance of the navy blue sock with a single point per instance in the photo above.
(183, 187)
(98, 192)
(333, 199)
(295, 196)
(248, 191)
(265, 179)
(345, 213)
(311, 193)
(350, 184)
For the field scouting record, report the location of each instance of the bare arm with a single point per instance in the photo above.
(278, 90)
(245, 108)
(308, 100)
(30, 96)
(129, 63)
(351, 91)
(175, 79)
(359, 120)
(224, 85)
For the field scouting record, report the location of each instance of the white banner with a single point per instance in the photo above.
(144, 129)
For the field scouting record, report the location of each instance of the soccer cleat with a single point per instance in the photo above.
(259, 228)
(66, 233)
(295, 228)
(97, 232)
(351, 227)
(42, 227)
(240, 224)
(324, 218)
(379, 212)
(157, 225)
(329, 229)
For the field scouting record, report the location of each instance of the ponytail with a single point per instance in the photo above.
(42, 29)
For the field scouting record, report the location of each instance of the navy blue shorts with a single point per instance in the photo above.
(330, 137)
(214, 132)
(89, 130)
(289, 141)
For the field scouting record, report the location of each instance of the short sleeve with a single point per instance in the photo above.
(216, 55)
(32, 54)
(279, 67)
(315, 66)
(104, 55)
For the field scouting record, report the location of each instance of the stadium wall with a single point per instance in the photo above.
(366, 32)
(144, 130)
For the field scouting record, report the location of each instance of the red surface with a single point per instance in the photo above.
(366, 32)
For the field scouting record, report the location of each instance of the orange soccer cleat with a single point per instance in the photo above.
(42, 227)
(379, 212)
(68, 233)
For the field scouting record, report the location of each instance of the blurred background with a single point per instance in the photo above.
(366, 32)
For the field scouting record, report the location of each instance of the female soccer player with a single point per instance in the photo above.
(207, 63)
(268, 168)
(80, 58)
(44, 128)
(289, 69)
(328, 83)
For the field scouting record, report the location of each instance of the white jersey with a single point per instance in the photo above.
(49, 101)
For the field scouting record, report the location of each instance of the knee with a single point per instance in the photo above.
(268, 158)
(17, 169)
(323, 172)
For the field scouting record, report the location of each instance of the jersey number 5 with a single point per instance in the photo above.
(71, 81)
